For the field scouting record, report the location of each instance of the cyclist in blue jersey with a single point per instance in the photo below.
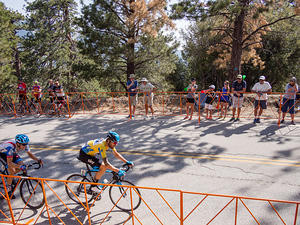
(9, 153)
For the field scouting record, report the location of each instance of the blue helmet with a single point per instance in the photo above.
(113, 136)
(22, 139)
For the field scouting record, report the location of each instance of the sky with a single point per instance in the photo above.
(18, 5)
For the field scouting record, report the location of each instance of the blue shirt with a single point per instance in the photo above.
(239, 87)
(134, 86)
(224, 95)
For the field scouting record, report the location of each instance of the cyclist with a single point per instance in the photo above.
(51, 91)
(89, 152)
(22, 93)
(9, 153)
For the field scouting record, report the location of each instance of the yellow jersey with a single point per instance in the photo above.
(97, 146)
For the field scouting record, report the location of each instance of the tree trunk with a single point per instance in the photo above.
(130, 60)
(17, 63)
(237, 45)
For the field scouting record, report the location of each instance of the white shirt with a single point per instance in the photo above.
(148, 88)
(258, 87)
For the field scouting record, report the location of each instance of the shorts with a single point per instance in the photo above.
(16, 157)
(133, 100)
(237, 102)
(261, 103)
(88, 159)
(22, 97)
(288, 105)
(148, 100)
(208, 106)
(190, 100)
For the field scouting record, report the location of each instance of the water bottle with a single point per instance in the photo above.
(105, 181)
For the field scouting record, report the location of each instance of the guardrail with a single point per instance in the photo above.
(159, 206)
(164, 104)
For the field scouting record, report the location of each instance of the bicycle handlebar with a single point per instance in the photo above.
(126, 167)
(35, 165)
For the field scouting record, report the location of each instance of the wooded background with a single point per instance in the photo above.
(98, 47)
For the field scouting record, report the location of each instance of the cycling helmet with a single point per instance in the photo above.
(22, 139)
(113, 136)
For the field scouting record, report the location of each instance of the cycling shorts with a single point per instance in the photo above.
(88, 159)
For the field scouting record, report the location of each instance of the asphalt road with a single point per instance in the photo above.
(216, 157)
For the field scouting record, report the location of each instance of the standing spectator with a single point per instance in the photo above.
(238, 88)
(51, 91)
(191, 98)
(288, 102)
(224, 99)
(132, 86)
(59, 93)
(210, 97)
(261, 89)
(22, 92)
(147, 88)
(36, 91)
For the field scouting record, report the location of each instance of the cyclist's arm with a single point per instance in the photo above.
(31, 155)
(119, 156)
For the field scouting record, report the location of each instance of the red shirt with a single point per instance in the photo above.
(22, 88)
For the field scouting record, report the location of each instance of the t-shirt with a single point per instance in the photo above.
(190, 93)
(148, 88)
(261, 88)
(290, 92)
(51, 89)
(58, 91)
(225, 94)
(239, 87)
(9, 148)
(97, 146)
(22, 88)
(210, 97)
(36, 89)
(134, 86)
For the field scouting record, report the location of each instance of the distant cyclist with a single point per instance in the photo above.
(9, 153)
(22, 91)
(59, 93)
(98, 147)
(51, 91)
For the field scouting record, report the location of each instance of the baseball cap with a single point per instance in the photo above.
(212, 86)
(262, 78)
(131, 76)
(239, 76)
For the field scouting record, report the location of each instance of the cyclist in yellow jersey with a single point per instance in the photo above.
(89, 152)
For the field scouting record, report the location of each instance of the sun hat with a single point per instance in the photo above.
(144, 79)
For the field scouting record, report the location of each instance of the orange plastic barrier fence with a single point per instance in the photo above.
(164, 104)
(158, 206)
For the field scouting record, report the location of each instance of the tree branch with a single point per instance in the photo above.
(266, 25)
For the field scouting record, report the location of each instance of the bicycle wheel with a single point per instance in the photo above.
(78, 189)
(120, 196)
(31, 192)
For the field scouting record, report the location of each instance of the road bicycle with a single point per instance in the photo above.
(120, 196)
(58, 109)
(31, 191)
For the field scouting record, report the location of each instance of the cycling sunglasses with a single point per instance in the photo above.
(115, 142)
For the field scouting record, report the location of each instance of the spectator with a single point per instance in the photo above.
(191, 98)
(51, 90)
(238, 88)
(224, 99)
(147, 88)
(288, 102)
(210, 97)
(132, 86)
(22, 92)
(59, 93)
(36, 91)
(261, 89)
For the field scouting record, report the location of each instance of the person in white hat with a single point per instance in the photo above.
(210, 97)
(261, 89)
(238, 88)
(147, 88)
(132, 86)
